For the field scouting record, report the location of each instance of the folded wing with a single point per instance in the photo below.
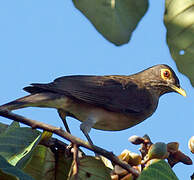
(114, 93)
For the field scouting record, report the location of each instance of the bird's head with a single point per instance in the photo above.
(162, 79)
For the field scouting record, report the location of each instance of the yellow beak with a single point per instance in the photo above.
(179, 90)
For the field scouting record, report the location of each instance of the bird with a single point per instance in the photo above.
(109, 102)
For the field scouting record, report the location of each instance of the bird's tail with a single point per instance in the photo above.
(33, 100)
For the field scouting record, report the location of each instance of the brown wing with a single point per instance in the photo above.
(115, 93)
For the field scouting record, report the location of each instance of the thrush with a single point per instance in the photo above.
(112, 103)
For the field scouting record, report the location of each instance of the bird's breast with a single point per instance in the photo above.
(106, 119)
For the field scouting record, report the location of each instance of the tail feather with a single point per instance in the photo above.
(33, 100)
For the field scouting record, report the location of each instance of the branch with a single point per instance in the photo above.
(60, 132)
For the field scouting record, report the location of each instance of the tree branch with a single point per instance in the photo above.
(60, 132)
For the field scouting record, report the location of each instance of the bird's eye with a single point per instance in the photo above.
(165, 73)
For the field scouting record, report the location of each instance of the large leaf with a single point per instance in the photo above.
(91, 168)
(26, 154)
(159, 170)
(22, 158)
(179, 21)
(63, 165)
(16, 142)
(9, 172)
(45, 165)
(114, 19)
(3, 127)
(42, 164)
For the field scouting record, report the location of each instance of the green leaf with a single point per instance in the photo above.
(42, 164)
(179, 22)
(16, 142)
(26, 154)
(63, 165)
(13, 125)
(3, 127)
(114, 19)
(91, 168)
(159, 170)
(46, 165)
(22, 158)
(158, 150)
(9, 172)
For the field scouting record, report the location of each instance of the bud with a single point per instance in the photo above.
(191, 144)
(173, 146)
(158, 151)
(115, 177)
(124, 156)
(136, 140)
(135, 159)
(120, 171)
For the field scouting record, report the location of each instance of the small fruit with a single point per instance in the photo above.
(120, 171)
(158, 150)
(115, 177)
(124, 156)
(135, 159)
(191, 144)
(173, 146)
(136, 140)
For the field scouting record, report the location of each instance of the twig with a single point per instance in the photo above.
(75, 161)
(60, 132)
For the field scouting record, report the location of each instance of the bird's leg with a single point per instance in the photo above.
(62, 115)
(86, 127)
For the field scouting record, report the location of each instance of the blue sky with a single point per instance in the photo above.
(42, 40)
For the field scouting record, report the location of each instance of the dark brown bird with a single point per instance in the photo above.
(110, 103)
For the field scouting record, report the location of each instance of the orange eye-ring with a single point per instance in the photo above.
(165, 73)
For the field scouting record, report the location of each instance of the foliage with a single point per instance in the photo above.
(179, 21)
(116, 21)
(34, 155)
(27, 154)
